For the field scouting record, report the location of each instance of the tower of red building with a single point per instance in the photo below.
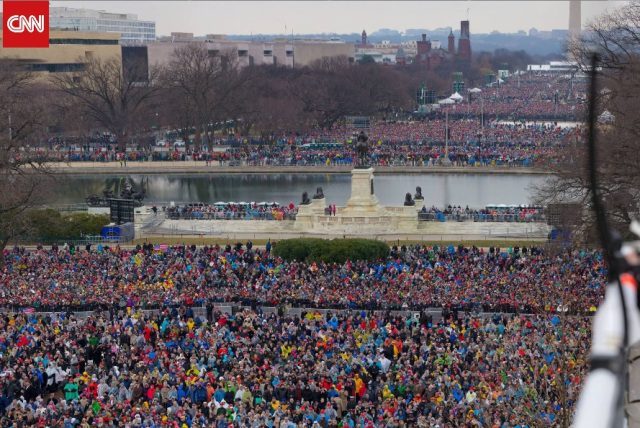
(464, 44)
(452, 43)
(431, 57)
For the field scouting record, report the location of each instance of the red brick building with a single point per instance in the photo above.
(431, 57)
(464, 44)
(401, 59)
(364, 43)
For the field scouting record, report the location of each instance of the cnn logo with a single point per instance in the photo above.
(25, 24)
(20, 23)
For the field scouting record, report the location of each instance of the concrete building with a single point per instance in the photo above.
(559, 34)
(306, 53)
(557, 67)
(378, 57)
(67, 51)
(281, 52)
(127, 25)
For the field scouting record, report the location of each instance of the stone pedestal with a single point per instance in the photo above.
(318, 206)
(407, 219)
(363, 201)
(419, 204)
(304, 218)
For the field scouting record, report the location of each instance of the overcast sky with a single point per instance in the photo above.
(271, 17)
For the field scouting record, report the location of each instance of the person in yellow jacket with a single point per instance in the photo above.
(386, 393)
(286, 350)
(193, 370)
(358, 382)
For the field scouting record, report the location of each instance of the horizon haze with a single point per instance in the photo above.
(345, 17)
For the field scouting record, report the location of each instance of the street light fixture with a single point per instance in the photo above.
(446, 129)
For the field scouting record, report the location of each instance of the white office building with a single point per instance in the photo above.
(131, 30)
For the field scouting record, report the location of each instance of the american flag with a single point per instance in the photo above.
(29, 310)
(161, 247)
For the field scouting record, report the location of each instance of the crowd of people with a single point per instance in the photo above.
(534, 97)
(273, 211)
(383, 155)
(489, 209)
(528, 101)
(406, 143)
(136, 337)
(232, 211)
(417, 278)
(358, 367)
(490, 212)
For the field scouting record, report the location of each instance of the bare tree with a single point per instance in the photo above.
(616, 38)
(211, 79)
(24, 176)
(381, 85)
(327, 95)
(178, 111)
(114, 97)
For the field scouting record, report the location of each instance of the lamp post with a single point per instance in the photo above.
(446, 137)
(446, 128)
(479, 92)
(482, 113)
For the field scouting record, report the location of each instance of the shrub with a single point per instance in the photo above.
(50, 224)
(330, 251)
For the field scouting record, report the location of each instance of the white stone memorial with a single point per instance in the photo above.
(363, 201)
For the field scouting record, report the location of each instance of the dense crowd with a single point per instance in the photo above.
(529, 100)
(462, 132)
(355, 368)
(406, 143)
(250, 370)
(232, 211)
(532, 97)
(520, 211)
(516, 280)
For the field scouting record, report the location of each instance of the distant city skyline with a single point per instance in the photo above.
(344, 17)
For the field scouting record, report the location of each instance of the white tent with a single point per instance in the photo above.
(446, 101)
(606, 116)
(475, 90)
(456, 97)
